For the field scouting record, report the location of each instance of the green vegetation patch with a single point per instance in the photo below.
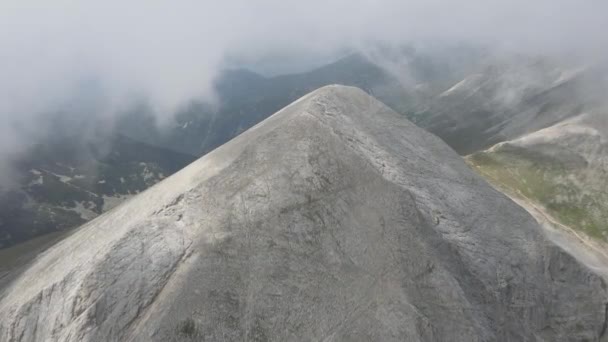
(576, 196)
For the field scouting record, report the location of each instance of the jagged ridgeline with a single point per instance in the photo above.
(333, 220)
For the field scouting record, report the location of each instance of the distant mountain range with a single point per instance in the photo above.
(469, 98)
(246, 98)
(64, 183)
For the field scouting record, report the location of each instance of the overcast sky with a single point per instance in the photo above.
(169, 51)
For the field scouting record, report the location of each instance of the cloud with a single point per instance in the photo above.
(170, 51)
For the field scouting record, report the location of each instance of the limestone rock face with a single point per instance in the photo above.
(333, 220)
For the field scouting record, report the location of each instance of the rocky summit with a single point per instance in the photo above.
(333, 220)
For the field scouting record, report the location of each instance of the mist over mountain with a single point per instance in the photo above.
(169, 54)
(334, 219)
(377, 170)
(469, 96)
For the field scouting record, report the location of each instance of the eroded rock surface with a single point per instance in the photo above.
(333, 220)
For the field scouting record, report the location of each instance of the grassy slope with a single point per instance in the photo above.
(573, 195)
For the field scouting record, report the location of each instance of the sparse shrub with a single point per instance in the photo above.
(187, 327)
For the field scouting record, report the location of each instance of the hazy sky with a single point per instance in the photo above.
(169, 51)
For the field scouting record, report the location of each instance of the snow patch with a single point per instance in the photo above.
(146, 173)
(465, 85)
(64, 178)
(37, 181)
(84, 212)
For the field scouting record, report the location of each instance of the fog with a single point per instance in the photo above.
(168, 52)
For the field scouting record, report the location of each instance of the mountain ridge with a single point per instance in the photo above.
(272, 235)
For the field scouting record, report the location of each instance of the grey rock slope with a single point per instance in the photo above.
(333, 220)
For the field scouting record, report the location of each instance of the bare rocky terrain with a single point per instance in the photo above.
(333, 220)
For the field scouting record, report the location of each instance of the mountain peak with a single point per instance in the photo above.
(333, 219)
